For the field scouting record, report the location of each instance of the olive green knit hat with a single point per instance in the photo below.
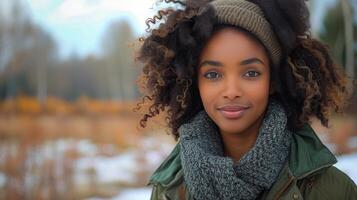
(250, 17)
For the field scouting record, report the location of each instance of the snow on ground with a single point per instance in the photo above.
(348, 164)
(124, 167)
(120, 168)
(130, 194)
(2, 180)
(134, 194)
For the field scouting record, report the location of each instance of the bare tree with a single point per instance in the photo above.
(25, 53)
(121, 71)
(349, 41)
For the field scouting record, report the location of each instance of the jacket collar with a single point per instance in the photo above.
(307, 156)
(168, 169)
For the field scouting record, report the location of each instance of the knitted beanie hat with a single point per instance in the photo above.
(250, 17)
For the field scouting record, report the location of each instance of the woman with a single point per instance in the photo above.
(239, 81)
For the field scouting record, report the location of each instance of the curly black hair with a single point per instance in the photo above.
(307, 82)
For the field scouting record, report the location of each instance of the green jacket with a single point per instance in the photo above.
(308, 174)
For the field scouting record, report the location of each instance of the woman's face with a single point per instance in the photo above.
(234, 80)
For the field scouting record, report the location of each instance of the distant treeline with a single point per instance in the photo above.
(29, 63)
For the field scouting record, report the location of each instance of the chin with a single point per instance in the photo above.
(233, 127)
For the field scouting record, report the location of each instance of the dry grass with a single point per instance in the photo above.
(36, 168)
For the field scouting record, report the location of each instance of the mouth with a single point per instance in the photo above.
(233, 111)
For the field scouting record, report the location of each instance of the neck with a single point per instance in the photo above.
(236, 145)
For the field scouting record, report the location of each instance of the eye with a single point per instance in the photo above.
(252, 74)
(211, 75)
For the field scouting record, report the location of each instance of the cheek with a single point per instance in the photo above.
(258, 90)
(258, 93)
(208, 93)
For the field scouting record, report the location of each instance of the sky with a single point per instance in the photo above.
(79, 25)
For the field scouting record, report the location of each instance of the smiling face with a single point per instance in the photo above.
(234, 81)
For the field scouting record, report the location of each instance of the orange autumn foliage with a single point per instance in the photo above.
(53, 105)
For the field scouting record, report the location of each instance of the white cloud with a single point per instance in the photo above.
(70, 9)
(89, 10)
(40, 4)
(80, 25)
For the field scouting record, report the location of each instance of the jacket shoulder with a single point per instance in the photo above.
(330, 184)
(168, 169)
(168, 179)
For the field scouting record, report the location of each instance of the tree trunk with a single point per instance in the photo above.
(348, 21)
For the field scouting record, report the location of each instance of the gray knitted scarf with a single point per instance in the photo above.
(209, 175)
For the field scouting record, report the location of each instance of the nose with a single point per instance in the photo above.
(232, 88)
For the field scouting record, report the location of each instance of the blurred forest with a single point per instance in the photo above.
(62, 118)
(340, 33)
(30, 65)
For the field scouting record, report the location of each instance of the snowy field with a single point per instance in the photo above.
(348, 164)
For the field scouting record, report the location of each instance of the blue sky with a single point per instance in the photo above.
(79, 25)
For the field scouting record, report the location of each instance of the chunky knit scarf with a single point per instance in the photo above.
(210, 176)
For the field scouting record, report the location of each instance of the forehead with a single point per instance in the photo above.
(233, 42)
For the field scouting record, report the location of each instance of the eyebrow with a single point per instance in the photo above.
(219, 64)
(210, 62)
(251, 60)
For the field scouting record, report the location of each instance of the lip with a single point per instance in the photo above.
(233, 111)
